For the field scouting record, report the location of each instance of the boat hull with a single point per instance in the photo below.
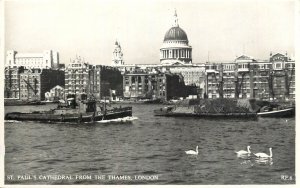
(289, 112)
(206, 115)
(23, 103)
(73, 118)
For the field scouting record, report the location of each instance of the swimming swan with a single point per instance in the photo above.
(263, 155)
(192, 152)
(243, 152)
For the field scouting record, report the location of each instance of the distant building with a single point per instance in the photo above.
(30, 84)
(175, 57)
(229, 79)
(55, 94)
(12, 82)
(117, 55)
(175, 48)
(272, 79)
(244, 77)
(171, 86)
(46, 60)
(282, 77)
(82, 78)
(34, 83)
(193, 75)
(140, 84)
(212, 80)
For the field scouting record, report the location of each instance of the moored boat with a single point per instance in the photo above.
(225, 108)
(210, 108)
(170, 112)
(22, 103)
(86, 111)
(278, 113)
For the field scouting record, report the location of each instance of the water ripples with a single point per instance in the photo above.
(151, 145)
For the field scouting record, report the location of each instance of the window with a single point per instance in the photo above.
(278, 65)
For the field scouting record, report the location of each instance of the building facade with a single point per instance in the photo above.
(46, 60)
(82, 78)
(175, 57)
(12, 82)
(272, 79)
(154, 85)
(55, 94)
(34, 83)
(244, 77)
(175, 48)
(117, 59)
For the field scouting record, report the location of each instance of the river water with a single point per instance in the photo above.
(148, 150)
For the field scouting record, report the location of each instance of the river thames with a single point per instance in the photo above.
(148, 150)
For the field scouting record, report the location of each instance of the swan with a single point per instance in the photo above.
(264, 155)
(192, 152)
(243, 152)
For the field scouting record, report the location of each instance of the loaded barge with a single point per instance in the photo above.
(85, 111)
(225, 108)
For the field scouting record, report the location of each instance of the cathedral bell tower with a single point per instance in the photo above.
(117, 55)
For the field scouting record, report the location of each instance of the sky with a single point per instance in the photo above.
(89, 28)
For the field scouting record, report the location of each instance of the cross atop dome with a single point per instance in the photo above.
(175, 24)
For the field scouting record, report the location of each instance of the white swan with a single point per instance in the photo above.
(192, 152)
(243, 152)
(264, 155)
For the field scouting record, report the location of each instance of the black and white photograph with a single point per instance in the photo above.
(162, 92)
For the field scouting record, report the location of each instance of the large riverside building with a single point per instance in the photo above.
(140, 84)
(84, 79)
(30, 84)
(12, 82)
(46, 60)
(272, 79)
(34, 83)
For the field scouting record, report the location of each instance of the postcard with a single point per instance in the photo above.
(149, 92)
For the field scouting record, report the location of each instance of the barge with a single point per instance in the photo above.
(225, 108)
(22, 103)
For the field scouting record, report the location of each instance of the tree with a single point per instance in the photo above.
(220, 84)
(220, 89)
(288, 80)
(239, 84)
(271, 84)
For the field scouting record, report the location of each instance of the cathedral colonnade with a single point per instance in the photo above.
(176, 53)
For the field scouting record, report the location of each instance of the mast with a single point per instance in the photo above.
(27, 86)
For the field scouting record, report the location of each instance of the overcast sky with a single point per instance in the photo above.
(89, 28)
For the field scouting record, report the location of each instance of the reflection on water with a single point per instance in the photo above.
(266, 161)
(244, 156)
(251, 161)
(151, 146)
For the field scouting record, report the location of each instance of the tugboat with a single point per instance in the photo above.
(85, 111)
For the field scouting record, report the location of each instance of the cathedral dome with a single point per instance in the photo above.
(175, 33)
